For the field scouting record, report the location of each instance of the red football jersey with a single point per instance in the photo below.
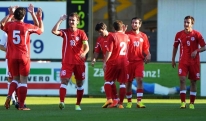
(188, 43)
(18, 45)
(100, 45)
(72, 46)
(118, 45)
(138, 44)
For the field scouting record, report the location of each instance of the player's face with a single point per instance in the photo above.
(188, 24)
(73, 21)
(135, 24)
(102, 32)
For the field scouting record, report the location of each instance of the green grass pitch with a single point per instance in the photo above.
(46, 109)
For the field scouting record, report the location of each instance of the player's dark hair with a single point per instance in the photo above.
(100, 25)
(118, 25)
(136, 18)
(192, 19)
(74, 14)
(19, 13)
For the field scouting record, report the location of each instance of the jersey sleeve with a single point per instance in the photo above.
(200, 40)
(146, 44)
(5, 27)
(176, 41)
(34, 29)
(97, 47)
(84, 36)
(62, 31)
(110, 43)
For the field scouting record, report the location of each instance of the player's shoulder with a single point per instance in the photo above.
(180, 33)
(64, 30)
(80, 31)
(143, 34)
(28, 25)
(128, 32)
(196, 32)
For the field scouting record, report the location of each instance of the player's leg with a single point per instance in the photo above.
(194, 72)
(139, 78)
(13, 69)
(129, 85)
(24, 67)
(140, 92)
(129, 94)
(182, 72)
(193, 92)
(122, 79)
(109, 75)
(79, 72)
(114, 95)
(65, 75)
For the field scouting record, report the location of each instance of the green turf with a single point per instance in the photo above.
(46, 109)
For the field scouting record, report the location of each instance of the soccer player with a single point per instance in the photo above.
(74, 50)
(18, 51)
(3, 43)
(101, 28)
(189, 60)
(138, 53)
(116, 62)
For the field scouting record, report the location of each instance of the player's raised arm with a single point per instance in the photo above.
(55, 29)
(31, 11)
(39, 18)
(9, 16)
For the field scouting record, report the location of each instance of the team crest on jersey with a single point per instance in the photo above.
(77, 38)
(141, 40)
(192, 38)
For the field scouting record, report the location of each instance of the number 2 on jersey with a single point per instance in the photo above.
(16, 37)
(123, 46)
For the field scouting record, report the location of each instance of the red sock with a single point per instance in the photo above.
(22, 92)
(182, 97)
(62, 93)
(114, 91)
(139, 94)
(12, 88)
(122, 92)
(80, 93)
(108, 90)
(192, 99)
(129, 96)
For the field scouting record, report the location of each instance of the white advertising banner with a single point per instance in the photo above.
(171, 14)
(203, 80)
(46, 45)
(44, 79)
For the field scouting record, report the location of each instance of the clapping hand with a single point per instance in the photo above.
(30, 8)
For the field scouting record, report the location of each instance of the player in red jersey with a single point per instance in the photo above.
(3, 46)
(18, 51)
(116, 63)
(74, 50)
(100, 47)
(189, 60)
(138, 53)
